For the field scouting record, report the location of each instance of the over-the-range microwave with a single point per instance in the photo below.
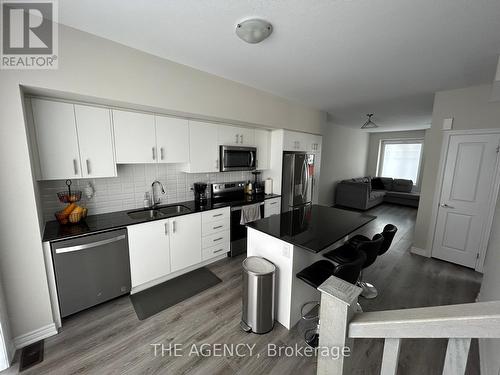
(236, 158)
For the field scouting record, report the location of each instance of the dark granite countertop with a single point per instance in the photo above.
(313, 228)
(113, 220)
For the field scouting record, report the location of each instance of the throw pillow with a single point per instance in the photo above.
(377, 183)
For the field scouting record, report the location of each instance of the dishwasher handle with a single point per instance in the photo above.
(89, 245)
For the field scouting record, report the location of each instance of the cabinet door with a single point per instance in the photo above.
(235, 136)
(247, 136)
(135, 139)
(95, 140)
(204, 147)
(262, 141)
(172, 139)
(272, 207)
(57, 139)
(291, 141)
(149, 250)
(185, 241)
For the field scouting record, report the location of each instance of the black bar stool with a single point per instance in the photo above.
(371, 249)
(316, 274)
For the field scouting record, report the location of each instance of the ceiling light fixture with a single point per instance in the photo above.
(369, 124)
(253, 30)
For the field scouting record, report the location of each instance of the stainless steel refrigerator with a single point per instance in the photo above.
(298, 180)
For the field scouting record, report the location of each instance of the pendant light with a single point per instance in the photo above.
(369, 124)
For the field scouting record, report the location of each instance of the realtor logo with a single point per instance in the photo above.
(29, 34)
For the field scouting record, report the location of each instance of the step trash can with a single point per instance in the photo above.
(259, 276)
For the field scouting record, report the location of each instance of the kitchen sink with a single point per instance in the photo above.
(145, 214)
(173, 210)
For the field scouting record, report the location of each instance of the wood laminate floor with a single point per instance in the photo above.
(109, 339)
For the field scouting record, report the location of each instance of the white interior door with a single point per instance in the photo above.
(468, 177)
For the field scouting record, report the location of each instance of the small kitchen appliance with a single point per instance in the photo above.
(258, 186)
(200, 192)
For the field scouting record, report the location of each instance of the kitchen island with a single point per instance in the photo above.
(294, 240)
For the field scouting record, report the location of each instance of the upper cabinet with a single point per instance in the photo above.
(172, 139)
(296, 141)
(262, 142)
(203, 148)
(235, 136)
(73, 141)
(96, 140)
(135, 138)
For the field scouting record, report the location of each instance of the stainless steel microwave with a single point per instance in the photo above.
(234, 158)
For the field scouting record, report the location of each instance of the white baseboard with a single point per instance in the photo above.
(419, 251)
(34, 336)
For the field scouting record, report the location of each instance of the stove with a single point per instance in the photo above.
(233, 194)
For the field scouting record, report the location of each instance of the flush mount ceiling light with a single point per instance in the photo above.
(369, 124)
(253, 30)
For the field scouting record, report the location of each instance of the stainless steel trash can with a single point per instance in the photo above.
(258, 295)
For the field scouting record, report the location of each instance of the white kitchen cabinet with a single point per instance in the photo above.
(262, 142)
(216, 235)
(294, 141)
(272, 207)
(95, 138)
(149, 249)
(185, 241)
(229, 135)
(56, 139)
(203, 148)
(172, 139)
(315, 143)
(135, 138)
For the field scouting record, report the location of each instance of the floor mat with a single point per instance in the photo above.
(159, 297)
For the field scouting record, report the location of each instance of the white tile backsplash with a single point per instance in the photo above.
(126, 191)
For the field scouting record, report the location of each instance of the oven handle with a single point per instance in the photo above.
(239, 207)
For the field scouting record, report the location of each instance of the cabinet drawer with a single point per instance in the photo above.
(216, 239)
(215, 251)
(212, 227)
(215, 215)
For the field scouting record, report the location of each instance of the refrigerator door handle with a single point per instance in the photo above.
(306, 182)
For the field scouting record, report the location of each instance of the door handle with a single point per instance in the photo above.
(241, 139)
(173, 226)
(162, 153)
(88, 166)
(75, 166)
(444, 205)
(154, 153)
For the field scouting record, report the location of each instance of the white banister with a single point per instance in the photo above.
(456, 356)
(339, 325)
(338, 303)
(477, 320)
(390, 357)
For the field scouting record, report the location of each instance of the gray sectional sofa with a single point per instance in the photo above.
(366, 192)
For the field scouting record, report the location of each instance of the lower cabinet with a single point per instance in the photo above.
(216, 235)
(149, 249)
(272, 207)
(185, 241)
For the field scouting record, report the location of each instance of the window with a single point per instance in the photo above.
(400, 159)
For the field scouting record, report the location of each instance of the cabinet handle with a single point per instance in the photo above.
(75, 166)
(272, 203)
(241, 138)
(218, 251)
(88, 166)
(218, 239)
(218, 226)
(166, 229)
(173, 226)
(217, 215)
(236, 138)
(162, 153)
(217, 164)
(154, 153)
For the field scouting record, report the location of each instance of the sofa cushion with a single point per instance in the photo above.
(377, 183)
(387, 181)
(402, 195)
(402, 185)
(363, 180)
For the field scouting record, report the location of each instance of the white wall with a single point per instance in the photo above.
(471, 109)
(490, 291)
(344, 154)
(94, 67)
(374, 144)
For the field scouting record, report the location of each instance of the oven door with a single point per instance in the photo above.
(237, 158)
(239, 232)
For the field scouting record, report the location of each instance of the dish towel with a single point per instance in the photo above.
(250, 213)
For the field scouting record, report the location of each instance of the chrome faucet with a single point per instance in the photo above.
(156, 200)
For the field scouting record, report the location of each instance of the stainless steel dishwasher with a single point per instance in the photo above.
(91, 269)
